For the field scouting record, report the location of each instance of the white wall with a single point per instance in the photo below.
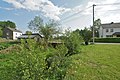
(16, 34)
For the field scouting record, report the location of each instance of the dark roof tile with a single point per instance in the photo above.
(14, 29)
(111, 25)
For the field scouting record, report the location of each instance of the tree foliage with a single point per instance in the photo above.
(8, 23)
(97, 24)
(72, 41)
(48, 29)
(86, 35)
(28, 32)
(35, 24)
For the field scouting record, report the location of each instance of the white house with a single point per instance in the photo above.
(109, 30)
(11, 33)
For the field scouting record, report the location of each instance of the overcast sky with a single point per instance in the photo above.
(22, 11)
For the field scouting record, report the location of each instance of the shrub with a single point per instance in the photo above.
(86, 35)
(72, 42)
(34, 62)
(108, 40)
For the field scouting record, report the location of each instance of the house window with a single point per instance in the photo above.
(111, 30)
(109, 36)
(107, 30)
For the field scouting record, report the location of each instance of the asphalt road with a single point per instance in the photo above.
(109, 43)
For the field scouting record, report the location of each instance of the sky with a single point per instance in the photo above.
(73, 14)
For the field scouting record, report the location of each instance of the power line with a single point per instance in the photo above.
(76, 13)
(68, 17)
(108, 10)
(107, 4)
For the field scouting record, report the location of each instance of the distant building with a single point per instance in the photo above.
(109, 30)
(11, 33)
(35, 36)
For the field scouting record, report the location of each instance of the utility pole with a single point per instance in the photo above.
(93, 23)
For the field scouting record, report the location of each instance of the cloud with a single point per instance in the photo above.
(107, 13)
(6, 8)
(45, 6)
(16, 14)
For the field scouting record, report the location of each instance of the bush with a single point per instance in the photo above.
(34, 62)
(72, 42)
(108, 40)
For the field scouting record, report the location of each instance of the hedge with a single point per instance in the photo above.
(107, 40)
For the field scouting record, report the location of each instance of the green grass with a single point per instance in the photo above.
(5, 45)
(96, 62)
(5, 66)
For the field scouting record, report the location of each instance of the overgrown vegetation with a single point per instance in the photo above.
(86, 34)
(96, 62)
(72, 41)
(33, 61)
(36, 63)
(5, 45)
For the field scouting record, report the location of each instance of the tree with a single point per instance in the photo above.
(48, 30)
(35, 24)
(86, 34)
(97, 24)
(28, 32)
(8, 23)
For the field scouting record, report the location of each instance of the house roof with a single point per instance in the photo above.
(14, 29)
(111, 25)
(116, 33)
(26, 36)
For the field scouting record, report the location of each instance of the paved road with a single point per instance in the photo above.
(109, 43)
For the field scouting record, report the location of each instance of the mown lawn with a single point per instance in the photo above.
(96, 62)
